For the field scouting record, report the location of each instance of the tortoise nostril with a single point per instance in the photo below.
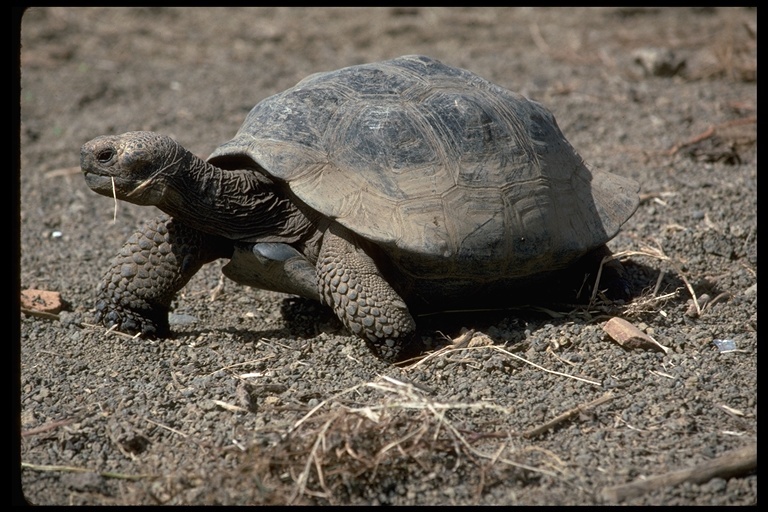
(105, 155)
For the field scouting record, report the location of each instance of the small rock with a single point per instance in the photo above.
(737, 230)
(658, 61)
(44, 301)
(181, 319)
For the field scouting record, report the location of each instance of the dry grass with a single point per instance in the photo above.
(337, 450)
(344, 447)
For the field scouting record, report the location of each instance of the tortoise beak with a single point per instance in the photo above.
(96, 160)
(106, 174)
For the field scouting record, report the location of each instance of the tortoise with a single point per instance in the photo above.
(382, 190)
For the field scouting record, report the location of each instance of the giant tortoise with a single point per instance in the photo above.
(381, 190)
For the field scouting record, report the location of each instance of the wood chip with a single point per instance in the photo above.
(734, 463)
(630, 337)
(42, 301)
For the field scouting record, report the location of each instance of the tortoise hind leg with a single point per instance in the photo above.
(368, 306)
(152, 266)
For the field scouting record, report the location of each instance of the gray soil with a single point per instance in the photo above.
(262, 398)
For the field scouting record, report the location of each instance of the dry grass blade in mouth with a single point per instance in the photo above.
(114, 196)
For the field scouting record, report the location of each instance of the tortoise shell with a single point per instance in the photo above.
(450, 175)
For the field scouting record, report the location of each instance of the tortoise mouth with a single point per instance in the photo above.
(144, 192)
(99, 182)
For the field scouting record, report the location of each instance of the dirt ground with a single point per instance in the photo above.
(261, 398)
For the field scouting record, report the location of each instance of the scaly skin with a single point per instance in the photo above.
(368, 306)
(135, 294)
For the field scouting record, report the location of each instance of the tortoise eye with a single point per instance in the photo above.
(105, 155)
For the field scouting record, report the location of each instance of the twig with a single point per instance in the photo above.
(113, 330)
(709, 132)
(718, 298)
(733, 463)
(605, 260)
(588, 381)
(39, 314)
(689, 288)
(538, 39)
(567, 415)
(243, 363)
(230, 407)
(659, 280)
(75, 469)
(166, 427)
(693, 140)
(46, 427)
(494, 347)
(62, 171)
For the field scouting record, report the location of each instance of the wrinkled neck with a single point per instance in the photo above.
(239, 204)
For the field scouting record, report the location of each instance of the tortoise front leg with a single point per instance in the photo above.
(153, 265)
(352, 285)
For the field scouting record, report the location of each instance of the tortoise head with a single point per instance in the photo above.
(134, 166)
